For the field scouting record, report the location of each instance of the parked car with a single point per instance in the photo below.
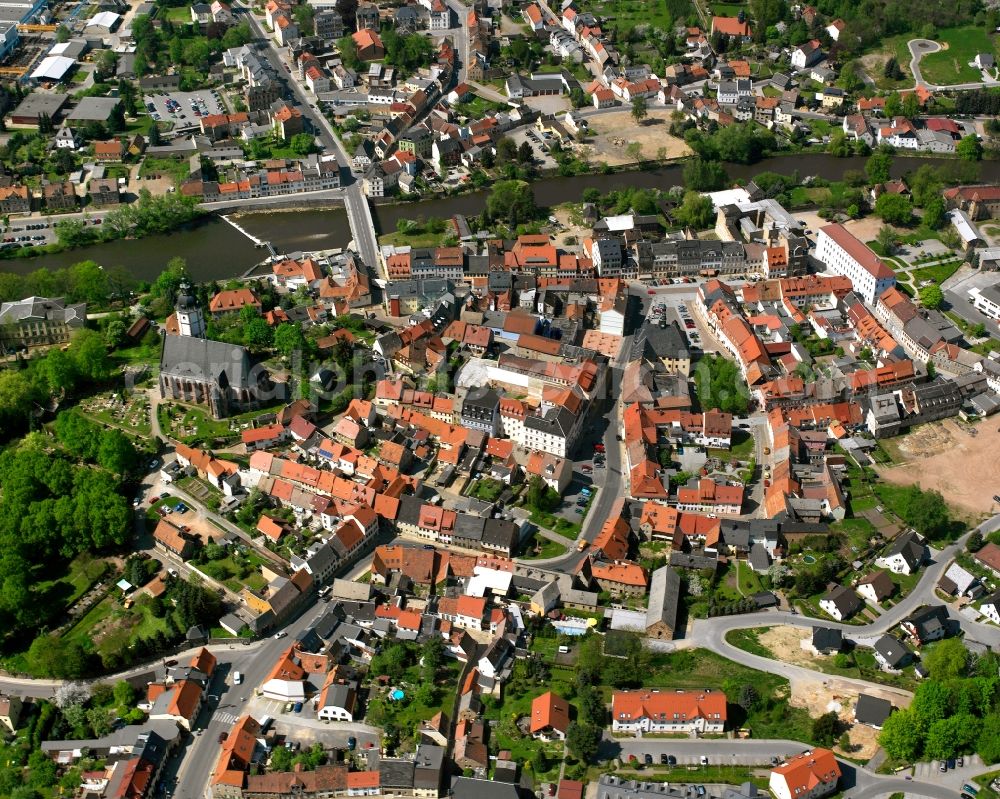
(352, 743)
(648, 759)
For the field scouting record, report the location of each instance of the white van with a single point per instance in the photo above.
(564, 650)
(265, 722)
(237, 678)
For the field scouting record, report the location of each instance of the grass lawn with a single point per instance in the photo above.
(234, 575)
(81, 573)
(486, 489)
(938, 273)
(749, 580)
(177, 168)
(168, 502)
(179, 14)
(742, 446)
(542, 547)
(952, 64)
(748, 641)
(132, 417)
(422, 238)
(857, 530)
(194, 426)
(727, 9)
(623, 14)
(714, 775)
(477, 107)
(696, 669)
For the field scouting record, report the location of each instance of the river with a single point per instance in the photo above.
(214, 250)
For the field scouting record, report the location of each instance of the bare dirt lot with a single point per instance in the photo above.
(864, 229)
(614, 132)
(944, 457)
(822, 696)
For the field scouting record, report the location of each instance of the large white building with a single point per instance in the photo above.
(848, 256)
(986, 300)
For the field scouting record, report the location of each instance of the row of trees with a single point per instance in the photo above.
(59, 373)
(52, 508)
(86, 281)
(955, 711)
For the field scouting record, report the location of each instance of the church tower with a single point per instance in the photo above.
(190, 319)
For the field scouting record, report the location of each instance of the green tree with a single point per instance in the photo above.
(934, 213)
(696, 211)
(977, 330)
(901, 736)
(116, 453)
(988, 743)
(886, 239)
(702, 175)
(512, 202)
(969, 148)
(639, 110)
(583, 741)
(950, 736)
(894, 209)
(825, 728)
(90, 355)
(878, 167)
(931, 296)
(258, 335)
(114, 333)
(839, 146)
(288, 338)
(303, 143)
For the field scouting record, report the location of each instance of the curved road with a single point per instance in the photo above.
(921, 47)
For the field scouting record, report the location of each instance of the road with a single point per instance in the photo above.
(460, 37)
(358, 213)
(921, 47)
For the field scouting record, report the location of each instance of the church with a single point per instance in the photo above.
(204, 372)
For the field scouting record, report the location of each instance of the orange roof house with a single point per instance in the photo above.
(814, 773)
(369, 44)
(549, 716)
(655, 710)
(731, 26)
(233, 300)
(237, 753)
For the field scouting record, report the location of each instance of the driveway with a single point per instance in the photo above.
(918, 49)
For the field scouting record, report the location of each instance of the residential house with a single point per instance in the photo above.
(905, 555)
(840, 602)
(890, 653)
(811, 775)
(549, 717)
(665, 711)
(872, 710)
(876, 587)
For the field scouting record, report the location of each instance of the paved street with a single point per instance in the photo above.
(358, 213)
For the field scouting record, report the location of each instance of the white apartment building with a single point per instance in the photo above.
(846, 255)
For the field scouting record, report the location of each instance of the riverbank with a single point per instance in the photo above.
(216, 251)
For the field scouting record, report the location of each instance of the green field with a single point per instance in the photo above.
(546, 548)
(951, 65)
(938, 273)
(627, 14)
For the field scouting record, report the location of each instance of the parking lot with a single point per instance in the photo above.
(184, 114)
(534, 138)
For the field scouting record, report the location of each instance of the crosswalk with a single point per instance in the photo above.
(225, 718)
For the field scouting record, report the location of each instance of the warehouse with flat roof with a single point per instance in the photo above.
(34, 105)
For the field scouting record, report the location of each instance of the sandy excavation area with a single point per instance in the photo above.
(822, 696)
(614, 132)
(944, 457)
